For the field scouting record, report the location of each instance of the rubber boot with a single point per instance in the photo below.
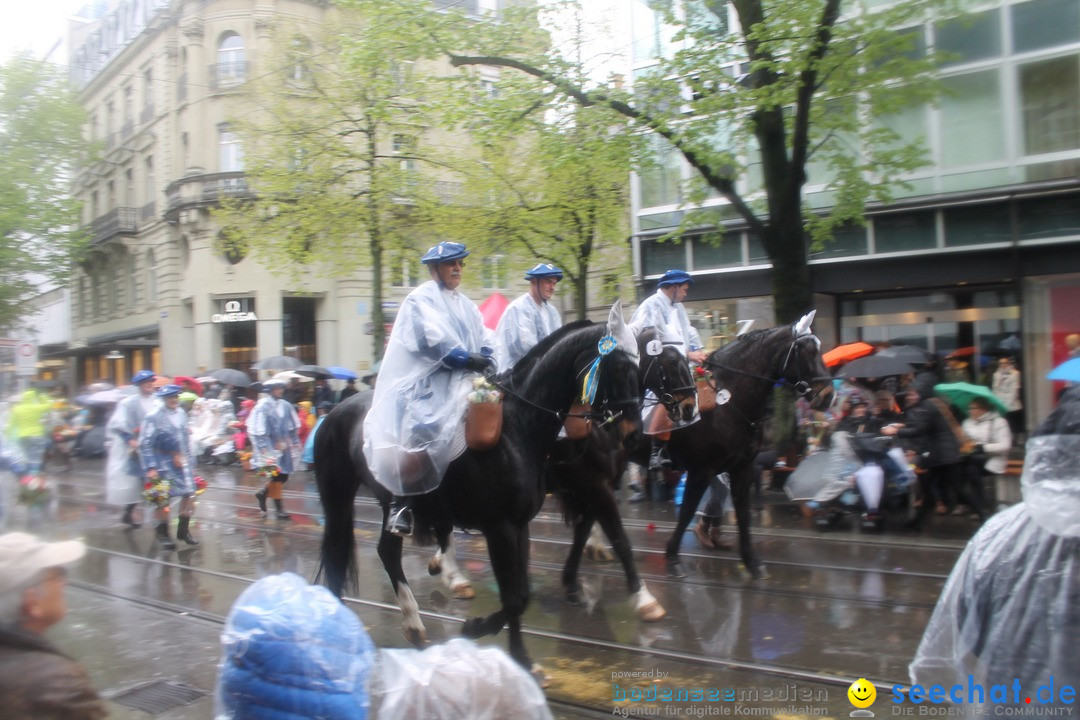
(127, 519)
(163, 536)
(399, 521)
(183, 533)
(261, 497)
(658, 459)
(281, 514)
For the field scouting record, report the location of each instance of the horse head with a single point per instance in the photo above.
(618, 398)
(804, 368)
(666, 373)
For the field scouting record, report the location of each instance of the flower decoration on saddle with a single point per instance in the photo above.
(267, 473)
(707, 389)
(702, 374)
(484, 392)
(156, 492)
(34, 490)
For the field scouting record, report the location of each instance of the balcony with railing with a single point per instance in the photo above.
(147, 211)
(118, 221)
(228, 74)
(199, 190)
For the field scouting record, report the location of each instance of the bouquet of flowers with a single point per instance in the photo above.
(33, 490)
(484, 392)
(267, 473)
(706, 391)
(702, 374)
(156, 492)
(200, 485)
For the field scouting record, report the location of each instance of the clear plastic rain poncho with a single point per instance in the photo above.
(456, 680)
(416, 425)
(123, 473)
(522, 326)
(1011, 607)
(291, 650)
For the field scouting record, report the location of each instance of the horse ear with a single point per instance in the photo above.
(803, 326)
(617, 328)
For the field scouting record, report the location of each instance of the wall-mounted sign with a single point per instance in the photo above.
(235, 311)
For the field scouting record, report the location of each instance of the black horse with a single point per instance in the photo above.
(728, 438)
(497, 491)
(584, 474)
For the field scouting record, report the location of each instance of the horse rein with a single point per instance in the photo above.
(801, 387)
(666, 397)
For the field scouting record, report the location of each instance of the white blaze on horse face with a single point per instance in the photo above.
(617, 328)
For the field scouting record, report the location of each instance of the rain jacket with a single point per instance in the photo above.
(123, 472)
(38, 682)
(992, 432)
(670, 320)
(270, 423)
(522, 326)
(416, 425)
(1010, 609)
(164, 433)
(27, 417)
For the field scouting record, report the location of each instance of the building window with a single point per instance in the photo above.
(968, 38)
(82, 297)
(129, 188)
(713, 251)
(1045, 23)
(1050, 91)
(297, 69)
(403, 271)
(977, 224)
(149, 190)
(660, 179)
(658, 257)
(231, 67)
(493, 271)
(132, 282)
(151, 278)
(972, 126)
(904, 232)
(230, 151)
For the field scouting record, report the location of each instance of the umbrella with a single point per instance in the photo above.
(230, 376)
(808, 477)
(189, 383)
(315, 371)
(107, 397)
(207, 379)
(492, 309)
(1010, 345)
(290, 375)
(92, 443)
(908, 353)
(1068, 370)
(843, 353)
(341, 373)
(961, 393)
(99, 386)
(277, 362)
(962, 352)
(875, 366)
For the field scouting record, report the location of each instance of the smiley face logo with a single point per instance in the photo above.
(861, 693)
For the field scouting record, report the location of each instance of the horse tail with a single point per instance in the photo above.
(338, 476)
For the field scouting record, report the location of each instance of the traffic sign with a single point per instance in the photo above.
(26, 358)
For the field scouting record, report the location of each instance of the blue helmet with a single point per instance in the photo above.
(169, 390)
(544, 270)
(142, 376)
(445, 251)
(674, 277)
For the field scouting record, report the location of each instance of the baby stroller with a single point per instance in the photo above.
(871, 475)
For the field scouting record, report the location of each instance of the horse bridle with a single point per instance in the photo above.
(801, 387)
(666, 396)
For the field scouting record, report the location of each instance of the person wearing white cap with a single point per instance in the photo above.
(37, 680)
(529, 318)
(165, 450)
(274, 429)
(123, 473)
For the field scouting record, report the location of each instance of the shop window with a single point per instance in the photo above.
(904, 232)
(1045, 23)
(1050, 101)
(972, 126)
(976, 36)
(976, 225)
(658, 257)
(1049, 217)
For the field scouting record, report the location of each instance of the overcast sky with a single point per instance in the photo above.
(34, 25)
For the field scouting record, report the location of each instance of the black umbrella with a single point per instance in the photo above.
(1009, 345)
(277, 362)
(875, 366)
(315, 371)
(229, 376)
(907, 353)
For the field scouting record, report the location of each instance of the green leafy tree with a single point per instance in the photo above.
(801, 85)
(41, 146)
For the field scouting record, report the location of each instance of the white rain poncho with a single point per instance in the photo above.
(673, 328)
(273, 428)
(1011, 607)
(123, 474)
(416, 425)
(523, 325)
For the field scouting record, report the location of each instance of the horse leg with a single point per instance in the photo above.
(390, 554)
(445, 562)
(647, 607)
(595, 548)
(583, 525)
(696, 482)
(741, 487)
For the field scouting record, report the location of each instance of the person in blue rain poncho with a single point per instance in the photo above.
(123, 472)
(165, 451)
(416, 425)
(274, 429)
(1010, 610)
(528, 319)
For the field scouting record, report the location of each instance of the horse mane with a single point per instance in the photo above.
(525, 364)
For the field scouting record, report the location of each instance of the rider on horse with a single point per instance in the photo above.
(528, 319)
(665, 312)
(415, 427)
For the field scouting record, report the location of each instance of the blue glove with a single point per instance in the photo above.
(457, 359)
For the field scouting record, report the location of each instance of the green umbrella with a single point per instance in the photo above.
(961, 393)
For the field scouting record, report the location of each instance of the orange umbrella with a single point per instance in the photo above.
(844, 353)
(962, 352)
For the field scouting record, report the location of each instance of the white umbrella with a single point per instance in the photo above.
(289, 375)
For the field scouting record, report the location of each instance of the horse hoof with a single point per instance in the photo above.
(675, 569)
(473, 628)
(541, 677)
(599, 553)
(463, 591)
(417, 637)
(652, 612)
(574, 597)
(434, 567)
